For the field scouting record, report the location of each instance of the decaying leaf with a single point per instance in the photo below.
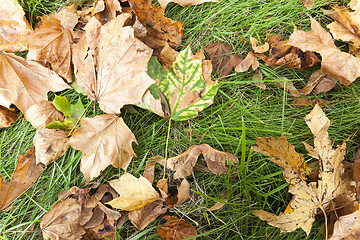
(13, 27)
(134, 192)
(342, 65)
(110, 64)
(215, 160)
(25, 175)
(187, 86)
(218, 205)
(50, 44)
(142, 217)
(347, 227)
(184, 3)
(320, 81)
(160, 29)
(307, 197)
(249, 61)
(68, 17)
(43, 113)
(26, 83)
(173, 228)
(103, 140)
(304, 102)
(179, 196)
(258, 49)
(221, 58)
(7, 117)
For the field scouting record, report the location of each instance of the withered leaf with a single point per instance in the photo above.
(105, 230)
(110, 64)
(347, 227)
(309, 197)
(249, 61)
(7, 117)
(258, 79)
(173, 228)
(43, 113)
(258, 49)
(184, 3)
(181, 195)
(142, 217)
(25, 83)
(25, 175)
(68, 17)
(134, 192)
(103, 140)
(304, 102)
(160, 29)
(50, 44)
(308, 4)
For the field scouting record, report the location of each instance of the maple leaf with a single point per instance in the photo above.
(340, 64)
(347, 227)
(173, 228)
(13, 27)
(134, 192)
(43, 113)
(307, 197)
(25, 83)
(25, 175)
(103, 140)
(110, 64)
(7, 117)
(184, 3)
(50, 44)
(187, 86)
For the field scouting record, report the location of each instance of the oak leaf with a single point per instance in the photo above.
(307, 197)
(25, 83)
(103, 140)
(7, 117)
(25, 175)
(134, 192)
(110, 64)
(173, 228)
(43, 113)
(342, 65)
(184, 3)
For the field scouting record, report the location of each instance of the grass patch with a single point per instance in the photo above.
(264, 112)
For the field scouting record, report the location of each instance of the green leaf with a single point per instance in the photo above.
(62, 105)
(184, 85)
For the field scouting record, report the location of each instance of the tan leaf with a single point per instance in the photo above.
(43, 113)
(160, 29)
(68, 17)
(134, 192)
(61, 221)
(7, 117)
(177, 197)
(142, 217)
(308, 4)
(50, 44)
(218, 205)
(304, 102)
(342, 65)
(25, 83)
(50, 144)
(309, 197)
(110, 64)
(340, 32)
(320, 81)
(105, 230)
(347, 227)
(13, 27)
(113, 7)
(249, 61)
(173, 228)
(103, 140)
(184, 3)
(258, 49)
(216, 160)
(25, 175)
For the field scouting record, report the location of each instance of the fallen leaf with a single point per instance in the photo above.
(160, 29)
(150, 168)
(249, 61)
(173, 228)
(258, 79)
(177, 197)
(101, 231)
(103, 140)
(61, 221)
(342, 65)
(221, 58)
(187, 86)
(307, 197)
(25, 83)
(68, 17)
(218, 205)
(50, 44)
(258, 49)
(13, 27)
(134, 192)
(215, 160)
(25, 175)
(347, 227)
(43, 113)
(110, 64)
(356, 173)
(142, 217)
(308, 4)
(304, 102)
(7, 117)
(184, 3)
(320, 81)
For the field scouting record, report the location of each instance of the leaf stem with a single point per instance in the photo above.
(166, 147)
(326, 227)
(77, 121)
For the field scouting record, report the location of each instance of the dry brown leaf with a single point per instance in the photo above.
(342, 65)
(50, 144)
(134, 192)
(258, 49)
(320, 81)
(105, 230)
(221, 58)
(25, 175)
(304, 102)
(218, 205)
(25, 83)
(356, 173)
(68, 17)
(61, 221)
(150, 167)
(7, 117)
(176, 197)
(50, 44)
(103, 140)
(308, 4)
(347, 227)
(215, 160)
(249, 61)
(258, 79)
(167, 57)
(160, 29)
(308, 197)
(110, 64)
(184, 3)
(142, 217)
(13, 27)
(43, 113)
(173, 228)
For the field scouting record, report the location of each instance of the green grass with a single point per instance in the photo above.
(264, 112)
